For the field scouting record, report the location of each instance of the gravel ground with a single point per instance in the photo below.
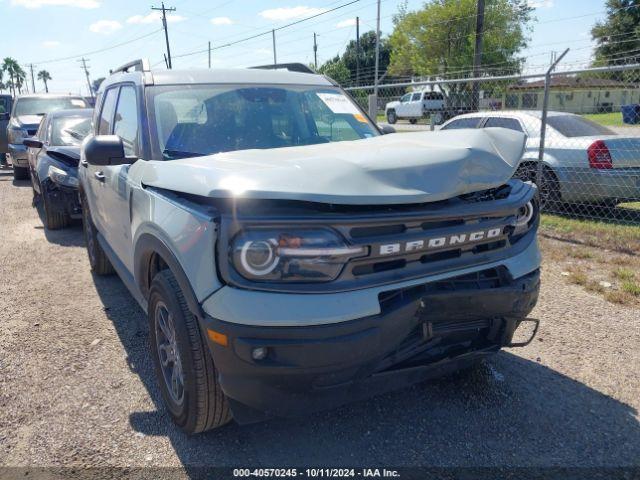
(77, 387)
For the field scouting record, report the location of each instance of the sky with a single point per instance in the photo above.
(54, 34)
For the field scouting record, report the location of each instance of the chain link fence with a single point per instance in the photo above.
(590, 148)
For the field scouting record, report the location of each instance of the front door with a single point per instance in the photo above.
(116, 214)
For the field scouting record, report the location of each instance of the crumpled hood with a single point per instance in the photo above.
(390, 169)
(29, 121)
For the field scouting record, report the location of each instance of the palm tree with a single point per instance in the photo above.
(21, 79)
(11, 66)
(44, 76)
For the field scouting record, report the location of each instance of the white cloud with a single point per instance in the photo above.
(56, 3)
(154, 17)
(350, 22)
(105, 27)
(290, 13)
(50, 44)
(540, 3)
(221, 21)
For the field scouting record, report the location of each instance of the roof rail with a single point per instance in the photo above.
(140, 65)
(292, 67)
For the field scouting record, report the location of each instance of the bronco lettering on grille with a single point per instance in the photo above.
(440, 242)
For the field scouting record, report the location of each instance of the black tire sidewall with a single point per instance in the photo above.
(392, 117)
(162, 290)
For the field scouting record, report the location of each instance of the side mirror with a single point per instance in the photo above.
(387, 129)
(32, 142)
(105, 150)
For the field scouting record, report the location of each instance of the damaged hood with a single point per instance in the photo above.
(389, 169)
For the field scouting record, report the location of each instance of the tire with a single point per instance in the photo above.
(20, 173)
(438, 119)
(53, 220)
(392, 117)
(549, 191)
(98, 260)
(188, 379)
(413, 121)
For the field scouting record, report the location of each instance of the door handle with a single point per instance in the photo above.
(99, 176)
(84, 163)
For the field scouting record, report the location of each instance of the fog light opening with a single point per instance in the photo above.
(259, 353)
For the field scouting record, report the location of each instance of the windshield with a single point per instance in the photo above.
(574, 126)
(207, 119)
(69, 131)
(42, 105)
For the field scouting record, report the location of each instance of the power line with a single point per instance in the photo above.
(268, 32)
(94, 52)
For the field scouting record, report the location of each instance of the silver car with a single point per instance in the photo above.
(584, 162)
(26, 114)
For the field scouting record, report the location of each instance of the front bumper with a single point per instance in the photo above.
(421, 331)
(19, 155)
(63, 199)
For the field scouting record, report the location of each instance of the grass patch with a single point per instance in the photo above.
(624, 274)
(630, 205)
(613, 119)
(598, 234)
(631, 287)
(580, 254)
(579, 278)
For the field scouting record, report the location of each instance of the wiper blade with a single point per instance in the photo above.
(172, 154)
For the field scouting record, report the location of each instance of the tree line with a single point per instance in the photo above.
(13, 78)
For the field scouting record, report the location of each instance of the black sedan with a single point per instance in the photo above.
(54, 153)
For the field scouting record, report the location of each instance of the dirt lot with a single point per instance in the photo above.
(77, 388)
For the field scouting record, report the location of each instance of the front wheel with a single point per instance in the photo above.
(53, 219)
(20, 173)
(413, 121)
(392, 117)
(184, 367)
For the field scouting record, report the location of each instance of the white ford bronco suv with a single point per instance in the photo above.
(290, 256)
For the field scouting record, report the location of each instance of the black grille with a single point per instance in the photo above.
(485, 279)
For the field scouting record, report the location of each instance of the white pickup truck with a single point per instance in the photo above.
(415, 105)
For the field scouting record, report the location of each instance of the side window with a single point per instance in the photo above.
(504, 122)
(126, 120)
(471, 122)
(106, 115)
(405, 98)
(416, 97)
(41, 133)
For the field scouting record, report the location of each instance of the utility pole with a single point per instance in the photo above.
(477, 58)
(166, 31)
(86, 72)
(209, 54)
(357, 51)
(373, 99)
(275, 57)
(33, 82)
(315, 52)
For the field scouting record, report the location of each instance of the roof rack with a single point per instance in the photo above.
(292, 67)
(140, 65)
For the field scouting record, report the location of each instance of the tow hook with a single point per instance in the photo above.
(536, 324)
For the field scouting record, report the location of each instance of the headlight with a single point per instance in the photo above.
(62, 177)
(525, 217)
(296, 255)
(16, 135)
